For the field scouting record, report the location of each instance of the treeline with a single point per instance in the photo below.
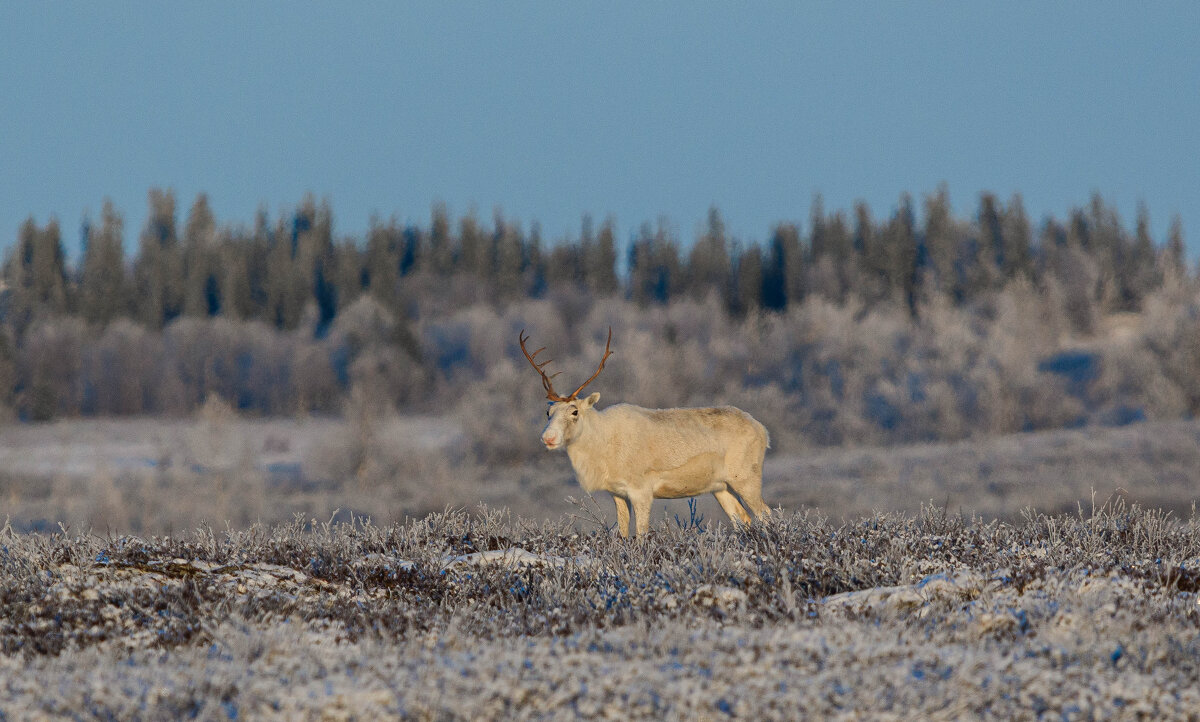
(276, 272)
(284, 317)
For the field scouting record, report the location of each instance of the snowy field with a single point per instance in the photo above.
(222, 568)
(154, 476)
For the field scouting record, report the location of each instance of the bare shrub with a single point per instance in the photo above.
(501, 417)
(117, 367)
(1132, 379)
(315, 383)
(365, 323)
(49, 361)
(1170, 330)
(375, 465)
(214, 442)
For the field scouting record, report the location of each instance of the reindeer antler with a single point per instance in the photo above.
(539, 366)
(607, 353)
(546, 379)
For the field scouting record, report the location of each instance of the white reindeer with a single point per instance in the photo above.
(639, 455)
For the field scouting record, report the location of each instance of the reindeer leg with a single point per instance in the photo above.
(757, 505)
(622, 516)
(745, 479)
(732, 506)
(641, 508)
(750, 491)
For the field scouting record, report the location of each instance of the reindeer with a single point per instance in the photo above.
(639, 455)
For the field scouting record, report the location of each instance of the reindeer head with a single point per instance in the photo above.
(564, 412)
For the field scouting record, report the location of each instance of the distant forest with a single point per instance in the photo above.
(286, 318)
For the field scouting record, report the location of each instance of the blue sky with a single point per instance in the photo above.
(635, 110)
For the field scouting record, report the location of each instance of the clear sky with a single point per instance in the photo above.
(636, 110)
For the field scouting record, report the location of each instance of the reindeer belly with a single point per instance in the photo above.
(700, 474)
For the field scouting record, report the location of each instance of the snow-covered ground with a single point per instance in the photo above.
(86, 447)
(155, 475)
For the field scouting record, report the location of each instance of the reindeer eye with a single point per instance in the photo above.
(574, 412)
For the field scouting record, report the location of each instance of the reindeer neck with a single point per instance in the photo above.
(589, 454)
(590, 437)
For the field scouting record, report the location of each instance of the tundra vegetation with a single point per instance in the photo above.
(265, 446)
(485, 616)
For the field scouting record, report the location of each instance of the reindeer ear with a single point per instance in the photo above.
(590, 401)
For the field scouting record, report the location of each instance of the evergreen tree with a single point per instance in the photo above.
(1108, 238)
(639, 262)
(1075, 271)
(874, 283)
(818, 239)
(709, 262)
(477, 256)
(508, 244)
(1174, 256)
(201, 294)
(833, 264)
(991, 232)
(840, 241)
(1018, 243)
(382, 263)
(654, 268)
(669, 270)
(36, 274)
(1138, 272)
(1078, 231)
(258, 250)
(350, 272)
(158, 270)
(749, 291)
(601, 262)
(284, 297)
(943, 236)
(564, 266)
(412, 245)
(18, 276)
(235, 258)
(442, 251)
(8, 373)
(982, 265)
(1052, 240)
(49, 269)
(783, 268)
(1110, 246)
(314, 269)
(103, 293)
(793, 262)
(535, 263)
(901, 243)
(587, 246)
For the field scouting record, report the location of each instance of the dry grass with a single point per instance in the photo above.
(931, 616)
(153, 476)
(163, 476)
(1155, 464)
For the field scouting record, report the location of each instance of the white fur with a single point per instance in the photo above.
(639, 455)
